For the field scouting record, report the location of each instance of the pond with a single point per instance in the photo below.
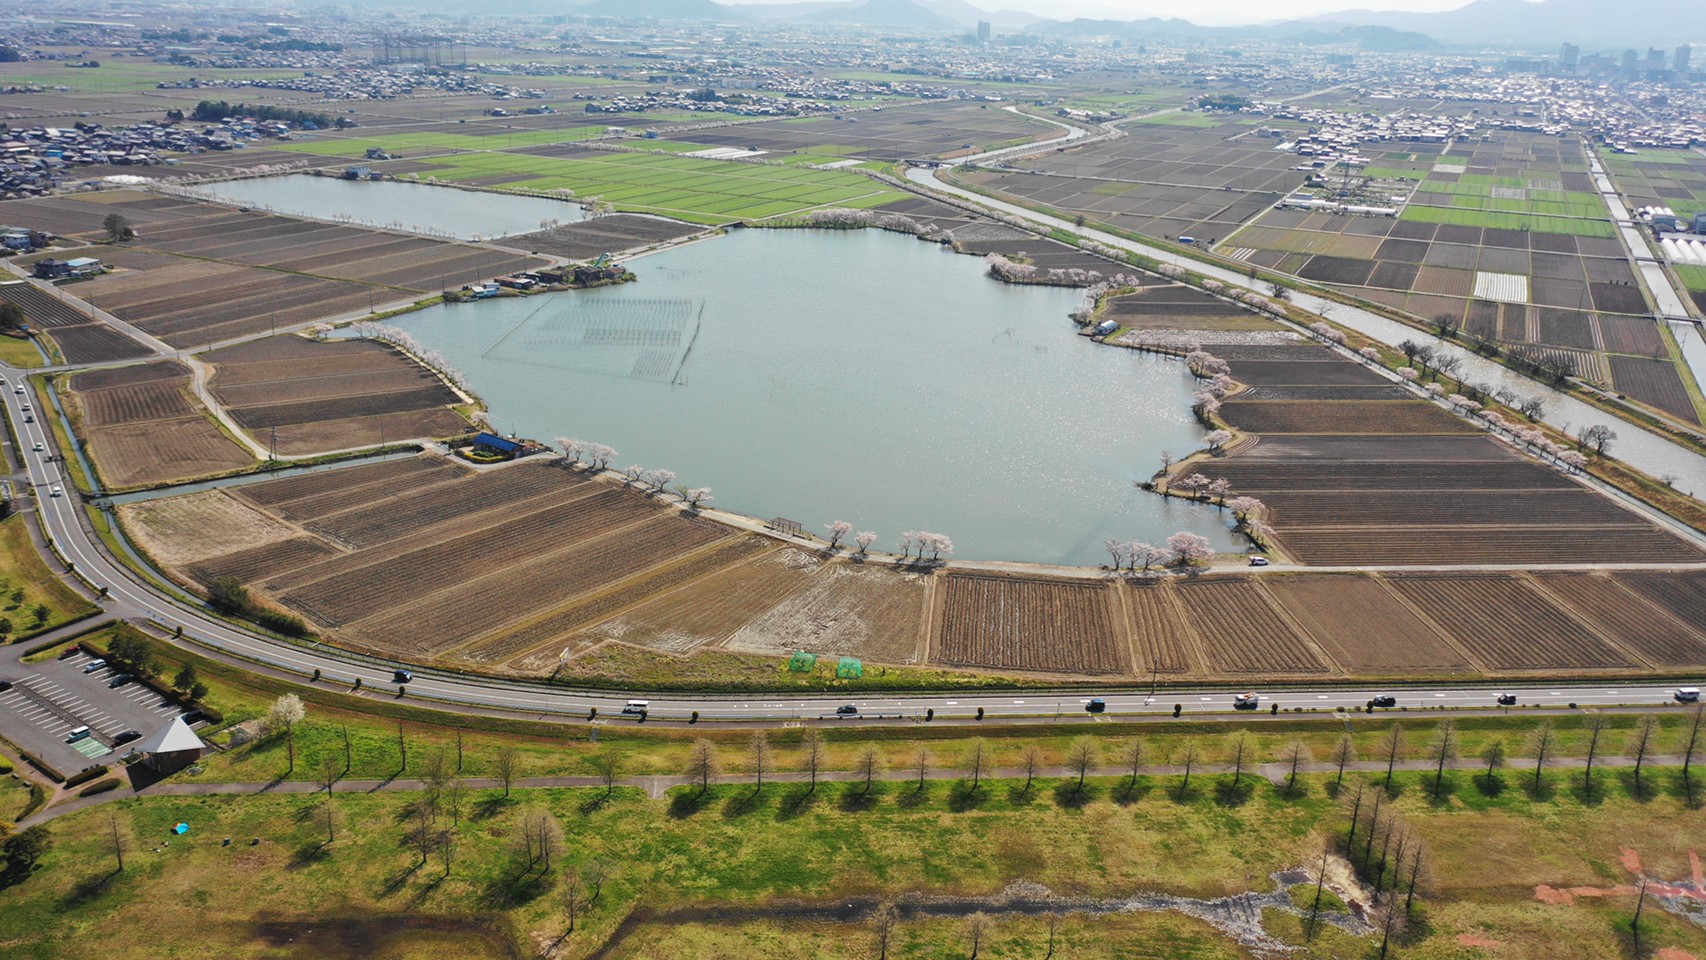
(395, 204)
(848, 375)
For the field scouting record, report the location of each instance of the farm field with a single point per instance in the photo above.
(143, 428)
(1164, 179)
(1033, 625)
(270, 271)
(896, 133)
(1403, 481)
(81, 337)
(586, 239)
(1508, 241)
(315, 396)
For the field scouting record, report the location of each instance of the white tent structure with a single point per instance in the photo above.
(172, 746)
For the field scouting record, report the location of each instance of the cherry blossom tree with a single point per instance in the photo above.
(694, 496)
(659, 479)
(863, 539)
(572, 448)
(936, 543)
(1218, 488)
(908, 539)
(837, 531)
(1119, 550)
(1217, 439)
(1370, 354)
(1188, 548)
(1408, 374)
(1145, 555)
(1574, 460)
(600, 455)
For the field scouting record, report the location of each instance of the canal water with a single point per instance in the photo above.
(848, 375)
(395, 204)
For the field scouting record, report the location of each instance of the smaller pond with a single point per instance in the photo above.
(398, 205)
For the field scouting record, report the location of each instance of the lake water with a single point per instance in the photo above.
(395, 204)
(856, 375)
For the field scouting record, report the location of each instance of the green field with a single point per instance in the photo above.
(410, 144)
(701, 191)
(1508, 221)
(26, 582)
(117, 75)
(1692, 277)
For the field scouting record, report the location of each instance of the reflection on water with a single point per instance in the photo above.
(416, 207)
(847, 375)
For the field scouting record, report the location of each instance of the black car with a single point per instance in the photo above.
(401, 676)
(1097, 705)
(5, 684)
(1384, 700)
(120, 680)
(1507, 699)
(126, 737)
(847, 710)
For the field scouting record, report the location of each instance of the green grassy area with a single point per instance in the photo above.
(1508, 221)
(1692, 277)
(741, 848)
(1188, 120)
(27, 583)
(116, 75)
(701, 191)
(20, 353)
(407, 144)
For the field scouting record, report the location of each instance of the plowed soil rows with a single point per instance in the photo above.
(1682, 595)
(96, 343)
(278, 386)
(1341, 416)
(295, 496)
(262, 417)
(137, 403)
(133, 435)
(846, 610)
(1362, 546)
(355, 585)
(1253, 476)
(1623, 617)
(556, 628)
(1322, 370)
(1364, 628)
(711, 609)
(1471, 450)
(445, 617)
(195, 526)
(1507, 624)
(367, 524)
(1242, 632)
(248, 565)
(379, 430)
(1655, 383)
(1034, 625)
(1164, 639)
(1447, 508)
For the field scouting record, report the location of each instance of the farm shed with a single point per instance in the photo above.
(172, 747)
(494, 444)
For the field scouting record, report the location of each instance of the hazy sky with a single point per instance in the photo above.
(1211, 11)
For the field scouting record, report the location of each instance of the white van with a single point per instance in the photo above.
(1688, 694)
(77, 734)
(638, 707)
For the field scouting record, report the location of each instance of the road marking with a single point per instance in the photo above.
(1321, 696)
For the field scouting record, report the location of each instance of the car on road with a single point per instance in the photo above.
(637, 708)
(1384, 700)
(1096, 705)
(1507, 699)
(18, 389)
(57, 491)
(39, 446)
(1258, 561)
(847, 710)
(29, 418)
(401, 676)
(93, 665)
(120, 680)
(1687, 695)
(1246, 701)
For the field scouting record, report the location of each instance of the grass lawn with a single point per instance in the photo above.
(20, 353)
(742, 851)
(1694, 278)
(26, 583)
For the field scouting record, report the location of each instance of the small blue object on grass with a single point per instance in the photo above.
(181, 829)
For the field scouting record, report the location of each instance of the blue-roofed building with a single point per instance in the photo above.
(492, 443)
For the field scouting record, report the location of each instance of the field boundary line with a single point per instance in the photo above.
(721, 643)
(1445, 635)
(1303, 632)
(1593, 622)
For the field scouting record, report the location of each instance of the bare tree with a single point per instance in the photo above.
(1392, 745)
(1389, 924)
(455, 795)
(1238, 751)
(1081, 758)
(447, 848)
(574, 897)
(329, 817)
(702, 764)
(1029, 762)
(1344, 752)
(1296, 755)
(1418, 851)
(977, 755)
(1596, 725)
(608, 765)
(1542, 740)
(811, 754)
(117, 837)
(1642, 743)
(423, 834)
(1187, 759)
(331, 770)
(883, 922)
(869, 764)
(978, 929)
(504, 766)
(760, 761)
(1493, 755)
(1132, 755)
(1598, 436)
(1696, 723)
(435, 774)
(1445, 750)
(921, 764)
(1640, 905)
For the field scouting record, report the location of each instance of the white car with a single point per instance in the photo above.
(39, 446)
(56, 492)
(18, 389)
(1258, 561)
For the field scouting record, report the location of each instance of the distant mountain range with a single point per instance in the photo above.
(1504, 24)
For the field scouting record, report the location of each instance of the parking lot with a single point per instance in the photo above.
(50, 699)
